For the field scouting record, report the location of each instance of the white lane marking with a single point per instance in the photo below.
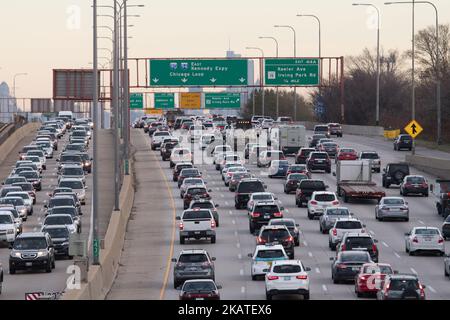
(240, 256)
(234, 221)
(231, 213)
(421, 222)
(431, 289)
(238, 245)
(39, 219)
(310, 254)
(235, 233)
(287, 210)
(241, 272)
(413, 271)
(317, 270)
(371, 232)
(385, 244)
(324, 288)
(242, 289)
(305, 243)
(35, 229)
(227, 203)
(397, 255)
(222, 196)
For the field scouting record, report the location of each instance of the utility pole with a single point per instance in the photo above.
(116, 113)
(126, 96)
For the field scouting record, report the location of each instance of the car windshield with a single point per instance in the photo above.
(403, 284)
(30, 244)
(61, 220)
(79, 133)
(287, 268)
(358, 242)
(200, 214)
(56, 233)
(71, 158)
(277, 234)
(267, 209)
(240, 176)
(378, 269)
(33, 158)
(29, 174)
(10, 181)
(62, 202)
(184, 166)
(71, 211)
(5, 219)
(298, 177)
(415, 180)
(307, 184)
(13, 201)
(193, 258)
(77, 185)
(321, 128)
(5, 191)
(325, 197)
(347, 151)
(370, 156)
(190, 172)
(348, 225)
(26, 187)
(199, 286)
(337, 212)
(354, 257)
(193, 181)
(394, 201)
(35, 153)
(75, 147)
(270, 254)
(24, 196)
(297, 168)
(72, 172)
(405, 138)
(283, 164)
(250, 187)
(430, 232)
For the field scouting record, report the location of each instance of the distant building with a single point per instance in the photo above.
(8, 104)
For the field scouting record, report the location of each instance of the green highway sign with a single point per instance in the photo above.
(164, 101)
(292, 72)
(136, 101)
(201, 72)
(222, 100)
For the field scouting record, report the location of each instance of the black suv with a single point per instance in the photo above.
(305, 190)
(262, 213)
(322, 129)
(401, 287)
(32, 251)
(319, 161)
(60, 237)
(177, 169)
(394, 173)
(315, 139)
(335, 129)
(167, 148)
(360, 242)
(403, 141)
(245, 188)
(192, 264)
(277, 235)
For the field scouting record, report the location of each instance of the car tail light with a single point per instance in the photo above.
(302, 277)
(408, 185)
(335, 203)
(363, 278)
(441, 240)
(403, 208)
(344, 247)
(213, 224)
(181, 226)
(422, 291)
(341, 266)
(415, 240)
(229, 174)
(313, 202)
(256, 214)
(272, 278)
(424, 185)
(334, 232)
(260, 240)
(290, 239)
(374, 248)
(206, 265)
(278, 214)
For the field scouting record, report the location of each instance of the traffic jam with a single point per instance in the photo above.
(326, 180)
(43, 199)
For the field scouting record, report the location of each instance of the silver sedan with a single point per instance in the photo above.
(392, 208)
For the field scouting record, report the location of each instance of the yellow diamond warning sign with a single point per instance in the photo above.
(413, 129)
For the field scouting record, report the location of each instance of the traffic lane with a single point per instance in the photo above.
(16, 286)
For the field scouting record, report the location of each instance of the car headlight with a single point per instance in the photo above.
(11, 231)
(42, 253)
(23, 210)
(65, 243)
(16, 254)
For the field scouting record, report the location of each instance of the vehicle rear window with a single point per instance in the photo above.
(196, 190)
(13, 201)
(288, 268)
(370, 156)
(200, 286)
(337, 212)
(58, 220)
(356, 257)
(358, 242)
(270, 254)
(277, 222)
(405, 138)
(347, 151)
(160, 134)
(267, 209)
(424, 232)
(348, 225)
(61, 202)
(189, 172)
(415, 180)
(251, 187)
(319, 156)
(334, 126)
(394, 201)
(403, 284)
(321, 128)
(56, 233)
(71, 211)
(184, 166)
(307, 184)
(298, 177)
(201, 214)
(378, 269)
(325, 197)
(273, 235)
(193, 258)
(71, 184)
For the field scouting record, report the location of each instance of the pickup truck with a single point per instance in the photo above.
(354, 181)
(197, 224)
(441, 193)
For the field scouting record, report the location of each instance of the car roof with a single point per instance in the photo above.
(269, 247)
(31, 235)
(59, 215)
(58, 196)
(287, 262)
(393, 197)
(273, 227)
(70, 179)
(55, 226)
(193, 251)
(323, 192)
(63, 207)
(357, 234)
(265, 203)
(348, 219)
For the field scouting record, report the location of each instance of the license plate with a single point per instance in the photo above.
(355, 268)
(320, 161)
(197, 232)
(29, 264)
(267, 217)
(200, 299)
(287, 278)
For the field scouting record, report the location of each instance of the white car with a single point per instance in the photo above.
(77, 186)
(37, 161)
(61, 220)
(320, 200)
(158, 137)
(267, 124)
(18, 223)
(230, 158)
(8, 230)
(263, 257)
(47, 147)
(195, 132)
(287, 277)
(260, 197)
(424, 239)
(341, 227)
(227, 174)
(254, 153)
(180, 155)
(188, 182)
(218, 158)
(220, 149)
(206, 140)
(27, 199)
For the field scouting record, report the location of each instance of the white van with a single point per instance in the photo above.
(65, 114)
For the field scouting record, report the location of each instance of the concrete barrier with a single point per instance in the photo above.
(10, 143)
(434, 166)
(350, 129)
(101, 278)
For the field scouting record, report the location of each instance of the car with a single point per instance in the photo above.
(28, 200)
(278, 168)
(77, 186)
(403, 141)
(195, 193)
(260, 197)
(158, 137)
(314, 140)
(34, 178)
(188, 173)
(446, 228)
(319, 161)
(19, 205)
(414, 184)
(401, 287)
(230, 165)
(291, 225)
(320, 200)
(220, 149)
(373, 157)
(32, 251)
(190, 182)
(359, 241)
(195, 132)
(8, 230)
(62, 219)
(69, 158)
(197, 224)
(303, 154)
(60, 235)
(262, 213)
(61, 200)
(394, 173)
(424, 239)
(255, 152)
(47, 147)
(266, 157)
(206, 204)
(180, 155)
(41, 155)
(370, 277)
(284, 119)
(342, 226)
(287, 277)
(5, 190)
(59, 190)
(37, 161)
(86, 161)
(298, 168)
(73, 211)
(347, 264)
(245, 189)
(330, 216)
(167, 148)
(229, 158)
(335, 129)
(228, 173)
(18, 223)
(447, 265)
(292, 181)
(200, 290)
(277, 234)
(72, 171)
(346, 154)
(305, 190)
(236, 178)
(322, 129)
(193, 264)
(267, 124)
(392, 208)
(331, 148)
(263, 258)
(177, 169)
(28, 187)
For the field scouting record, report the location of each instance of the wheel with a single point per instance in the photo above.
(359, 294)
(176, 284)
(254, 278)
(48, 269)
(425, 194)
(310, 216)
(251, 228)
(53, 264)
(306, 296)
(12, 270)
(335, 281)
(406, 219)
(446, 272)
(268, 296)
(213, 239)
(182, 240)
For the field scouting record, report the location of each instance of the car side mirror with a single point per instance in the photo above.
(178, 218)
(395, 271)
(174, 260)
(265, 187)
(364, 225)
(213, 259)
(250, 255)
(375, 240)
(209, 190)
(217, 205)
(57, 160)
(334, 174)
(281, 208)
(297, 225)
(327, 186)
(45, 206)
(407, 234)
(384, 170)
(424, 286)
(307, 269)
(332, 258)
(219, 287)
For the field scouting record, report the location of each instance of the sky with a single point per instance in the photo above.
(38, 36)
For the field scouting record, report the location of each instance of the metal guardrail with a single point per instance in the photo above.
(8, 129)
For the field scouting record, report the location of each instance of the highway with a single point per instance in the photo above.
(16, 286)
(234, 241)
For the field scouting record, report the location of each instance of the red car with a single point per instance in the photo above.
(298, 168)
(303, 154)
(370, 278)
(346, 154)
(201, 289)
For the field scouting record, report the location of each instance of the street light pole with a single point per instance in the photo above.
(126, 93)
(377, 120)
(276, 46)
(14, 82)
(116, 113)
(320, 30)
(261, 79)
(295, 56)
